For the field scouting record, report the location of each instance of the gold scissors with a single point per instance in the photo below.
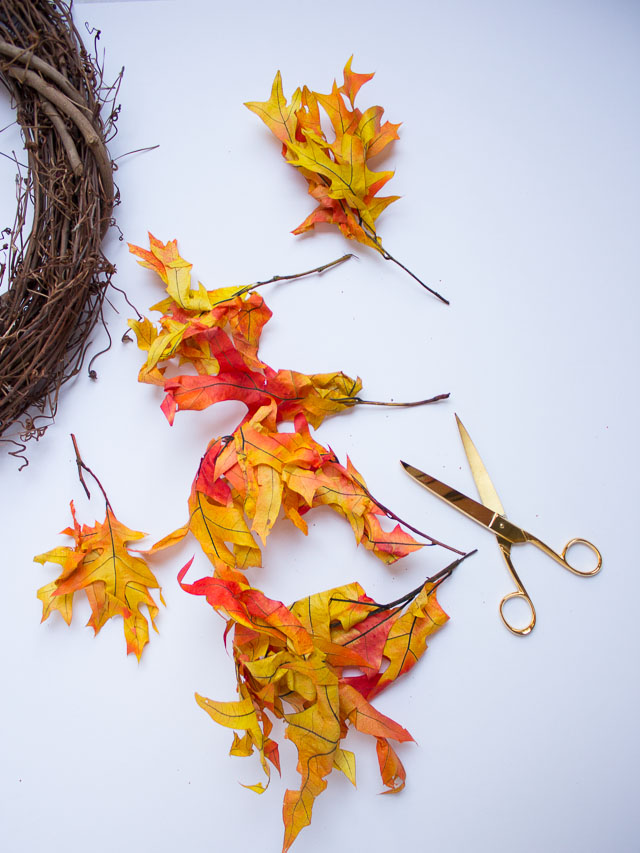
(490, 514)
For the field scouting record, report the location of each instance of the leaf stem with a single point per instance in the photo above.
(389, 257)
(82, 467)
(362, 402)
(436, 580)
(390, 514)
(247, 288)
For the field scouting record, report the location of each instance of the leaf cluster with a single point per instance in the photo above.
(217, 333)
(337, 170)
(246, 479)
(337, 165)
(290, 663)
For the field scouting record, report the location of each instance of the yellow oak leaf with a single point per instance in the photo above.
(239, 715)
(345, 761)
(316, 733)
(279, 116)
(218, 528)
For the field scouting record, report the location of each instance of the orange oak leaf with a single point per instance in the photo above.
(337, 167)
(342, 489)
(115, 581)
(391, 769)
(295, 393)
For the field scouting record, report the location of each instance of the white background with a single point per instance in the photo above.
(518, 171)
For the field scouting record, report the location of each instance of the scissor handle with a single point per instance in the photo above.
(591, 547)
(524, 595)
(521, 593)
(562, 558)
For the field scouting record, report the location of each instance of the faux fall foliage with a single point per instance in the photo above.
(116, 581)
(337, 170)
(290, 661)
(246, 478)
(296, 662)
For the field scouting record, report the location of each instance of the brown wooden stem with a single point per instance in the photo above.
(82, 467)
(389, 257)
(390, 514)
(359, 400)
(320, 269)
(436, 580)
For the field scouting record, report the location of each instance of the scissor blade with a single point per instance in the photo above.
(477, 511)
(486, 489)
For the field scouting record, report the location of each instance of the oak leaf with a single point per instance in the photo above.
(115, 581)
(407, 637)
(392, 770)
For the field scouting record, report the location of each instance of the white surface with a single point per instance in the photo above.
(518, 167)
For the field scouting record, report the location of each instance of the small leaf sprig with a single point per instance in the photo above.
(338, 171)
(293, 663)
(116, 581)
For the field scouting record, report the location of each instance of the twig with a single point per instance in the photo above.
(436, 580)
(389, 257)
(390, 514)
(247, 288)
(359, 400)
(136, 151)
(82, 467)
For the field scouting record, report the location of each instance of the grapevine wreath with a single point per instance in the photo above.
(58, 274)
